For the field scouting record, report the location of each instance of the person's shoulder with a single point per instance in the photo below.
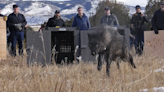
(61, 19)
(157, 11)
(51, 18)
(114, 16)
(103, 17)
(76, 16)
(135, 14)
(11, 14)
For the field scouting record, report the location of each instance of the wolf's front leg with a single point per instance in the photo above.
(99, 66)
(108, 63)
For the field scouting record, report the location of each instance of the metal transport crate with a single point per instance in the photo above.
(41, 46)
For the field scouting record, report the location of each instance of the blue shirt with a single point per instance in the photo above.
(81, 22)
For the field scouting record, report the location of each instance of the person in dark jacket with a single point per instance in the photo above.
(56, 20)
(138, 26)
(16, 23)
(158, 19)
(109, 19)
(81, 21)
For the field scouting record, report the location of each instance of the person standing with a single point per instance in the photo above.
(16, 23)
(56, 20)
(138, 25)
(81, 21)
(109, 18)
(158, 19)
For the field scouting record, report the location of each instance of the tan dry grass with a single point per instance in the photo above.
(15, 76)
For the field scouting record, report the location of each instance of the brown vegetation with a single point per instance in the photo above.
(16, 76)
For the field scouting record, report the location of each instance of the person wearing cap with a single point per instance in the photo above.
(0, 13)
(109, 18)
(81, 21)
(56, 20)
(16, 23)
(138, 25)
(158, 19)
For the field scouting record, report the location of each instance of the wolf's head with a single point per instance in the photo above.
(100, 38)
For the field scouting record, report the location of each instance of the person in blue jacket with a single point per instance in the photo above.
(81, 21)
(16, 23)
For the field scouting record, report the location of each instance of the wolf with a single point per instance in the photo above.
(105, 41)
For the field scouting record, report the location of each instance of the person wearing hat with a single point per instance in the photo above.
(0, 13)
(138, 25)
(16, 23)
(158, 19)
(81, 21)
(56, 21)
(109, 18)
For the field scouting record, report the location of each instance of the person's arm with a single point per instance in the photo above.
(24, 22)
(88, 23)
(74, 23)
(63, 23)
(9, 24)
(153, 21)
(132, 22)
(144, 18)
(116, 21)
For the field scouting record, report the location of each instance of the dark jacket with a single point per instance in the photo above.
(1, 15)
(82, 23)
(110, 20)
(139, 22)
(53, 22)
(158, 20)
(13, 19)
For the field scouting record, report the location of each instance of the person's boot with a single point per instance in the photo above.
(13, 52)
(21, 52)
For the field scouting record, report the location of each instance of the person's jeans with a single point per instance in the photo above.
(139, 43)
(17, 36)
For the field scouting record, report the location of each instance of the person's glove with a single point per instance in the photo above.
(156, 31)
(18, 26)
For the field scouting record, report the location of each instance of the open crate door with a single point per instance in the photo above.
(38, 49)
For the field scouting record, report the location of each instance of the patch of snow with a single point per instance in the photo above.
(155, 89)
(7, 9)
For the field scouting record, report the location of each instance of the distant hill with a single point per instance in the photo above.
(38, 12)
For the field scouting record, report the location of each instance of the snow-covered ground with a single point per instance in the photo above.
(155, 89)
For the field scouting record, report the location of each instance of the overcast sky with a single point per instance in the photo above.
(134, 2)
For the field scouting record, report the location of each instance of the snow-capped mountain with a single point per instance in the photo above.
(38, 12)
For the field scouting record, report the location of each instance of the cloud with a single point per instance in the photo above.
(134, 2)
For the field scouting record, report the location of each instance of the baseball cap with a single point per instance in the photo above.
(57, 11)
(137, 6)
(15, 6)
(107, 8)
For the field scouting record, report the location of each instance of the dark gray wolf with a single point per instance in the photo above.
(108, 43)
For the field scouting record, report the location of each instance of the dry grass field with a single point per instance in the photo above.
(16, 76)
